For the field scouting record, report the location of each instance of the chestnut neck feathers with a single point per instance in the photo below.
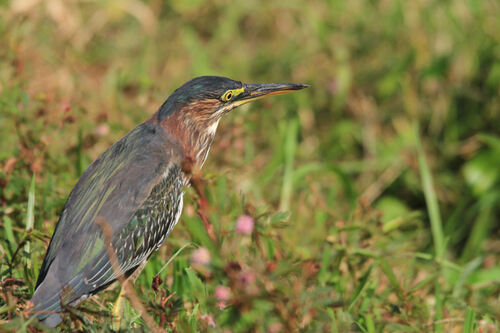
(191, 114)
(194, 129)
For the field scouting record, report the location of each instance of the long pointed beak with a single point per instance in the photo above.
(254, 91)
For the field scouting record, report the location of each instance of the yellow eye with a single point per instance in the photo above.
(227, 96)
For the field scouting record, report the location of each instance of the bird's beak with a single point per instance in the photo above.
(254, 91)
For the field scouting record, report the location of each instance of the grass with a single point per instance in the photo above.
(375, 192)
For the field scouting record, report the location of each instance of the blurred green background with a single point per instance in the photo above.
(375, 192)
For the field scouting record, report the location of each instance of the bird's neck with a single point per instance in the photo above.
(194, 136)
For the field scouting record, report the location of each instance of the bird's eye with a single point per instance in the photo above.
(227, 96)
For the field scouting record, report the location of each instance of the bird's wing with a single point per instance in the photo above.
(113, 188)
(145, 232)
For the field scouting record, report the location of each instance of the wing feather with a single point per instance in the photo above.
(114, 187)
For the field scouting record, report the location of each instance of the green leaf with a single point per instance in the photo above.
(484, 276)
(180, 285)
(482, 172)
(197, 288)
(392, 207)
(279, 217)
(198, 231)
(360, 289)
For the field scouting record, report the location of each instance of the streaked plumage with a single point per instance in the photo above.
(136, 187)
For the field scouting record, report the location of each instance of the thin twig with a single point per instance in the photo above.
(445, 321)
(129, 291)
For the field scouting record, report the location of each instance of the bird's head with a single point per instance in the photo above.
(195, 108)
(208, 98)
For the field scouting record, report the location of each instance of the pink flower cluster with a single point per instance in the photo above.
(201, 256)
(209, 319)
(244, 225)
(222, 295)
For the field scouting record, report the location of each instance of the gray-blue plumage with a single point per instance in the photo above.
(140, 206)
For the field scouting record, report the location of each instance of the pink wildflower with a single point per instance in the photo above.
(247, 277)
(222, 293)
(244, 225)
(209, 319)
(200, 256)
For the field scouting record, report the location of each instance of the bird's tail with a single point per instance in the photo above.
(46, 309)
(50, 297)
(51, 320)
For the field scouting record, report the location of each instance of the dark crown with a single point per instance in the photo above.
(197, 89)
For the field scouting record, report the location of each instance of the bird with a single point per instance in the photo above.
(136, 187)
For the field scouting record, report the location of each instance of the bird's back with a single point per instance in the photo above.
(136, 188)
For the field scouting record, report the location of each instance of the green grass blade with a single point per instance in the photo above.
(484, 276)
(430, 198)
(173, 257)
(481, 227)
(470, 268)
(30, 217)
(30, 214)
(370, 324)
(289, 156)
(360, 289)
(391, 276)
(470, 316)
(438, 327)
(9, 235)
(333, 321)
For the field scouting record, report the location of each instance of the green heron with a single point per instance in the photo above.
(136, 187)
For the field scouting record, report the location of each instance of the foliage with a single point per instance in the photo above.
(375, 193)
